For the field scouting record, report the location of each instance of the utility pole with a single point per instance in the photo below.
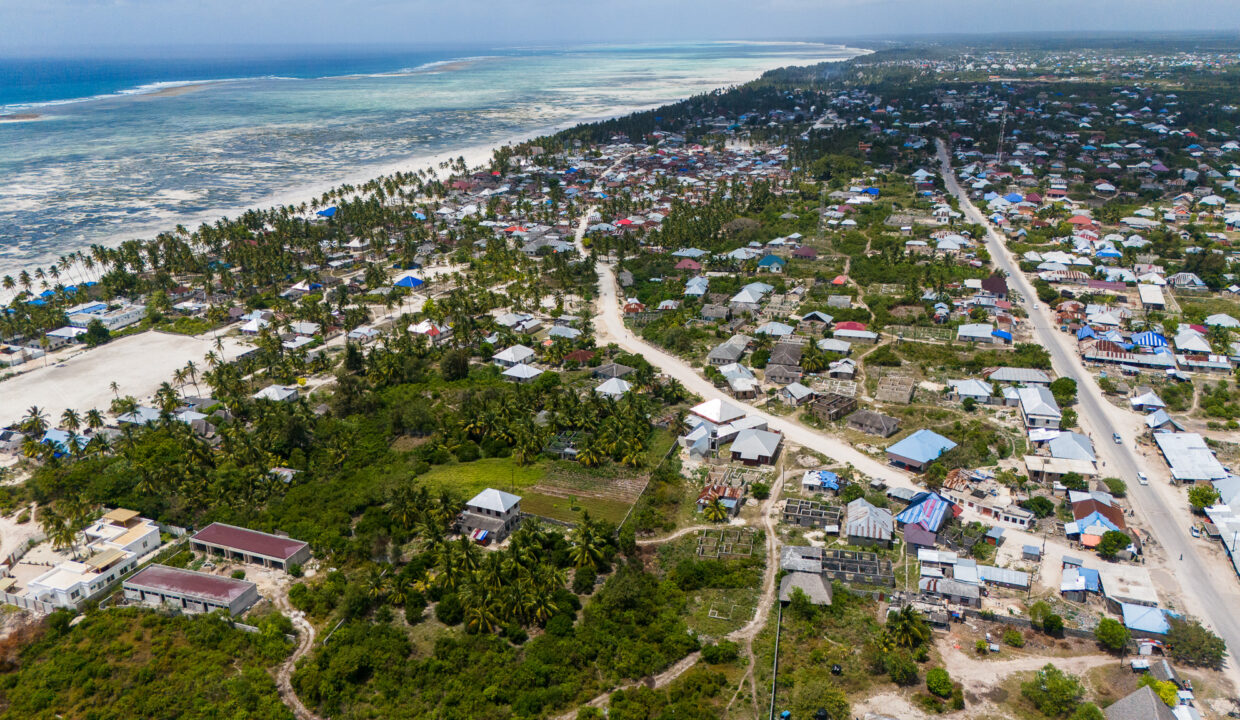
(1002, 126)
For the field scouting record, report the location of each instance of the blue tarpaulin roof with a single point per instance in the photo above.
(1149, 338)
(408, 282)
(826, 478)
(1013, 197)
(329, 212)
(928, 512)
(1085, 332)
(1001, 334)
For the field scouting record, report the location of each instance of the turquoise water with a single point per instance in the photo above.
(111, 150)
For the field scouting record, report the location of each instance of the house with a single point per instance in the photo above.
(521, 373)
(873, 423)
(515, 355)
(995, 286)
(276, 393)
(976, 332)
(489, 516)
(756, 447)
(772, 263)
(189, 591)
(612, 370)
(1019, 376)
(927, 511)
(251, 546)
(796, 394)
(1141, 704)
(363, 334)
(615, 388)
(1038, 407)
(729, 496)
(918, 450)
(816, 481)
(729, 351)
(867, 524)
(978, 390)
(845, 369)
(951, 590)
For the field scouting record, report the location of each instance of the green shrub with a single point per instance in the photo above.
(725, 651)
(939, 682)
(1013, 637)
(449, 610)
(238, 574)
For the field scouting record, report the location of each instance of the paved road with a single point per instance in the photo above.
(1208, 588)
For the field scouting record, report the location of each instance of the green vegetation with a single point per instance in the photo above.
(631, 628)
(1053, 692)
(130, 663)
(1112, 634)
(1201, 497)
(1193, 644)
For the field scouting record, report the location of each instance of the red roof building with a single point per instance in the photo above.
(252, 546)
(192, 592)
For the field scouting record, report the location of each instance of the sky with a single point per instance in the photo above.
(43, 27)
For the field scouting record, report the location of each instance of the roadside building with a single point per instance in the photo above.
(189, 591)
(251, 546)
(756, 447)
(873, 423)
(868, 525)
(918, 450)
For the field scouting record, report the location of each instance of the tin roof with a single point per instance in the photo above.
(187, 583)
(249, 541)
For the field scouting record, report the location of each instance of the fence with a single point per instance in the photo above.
(1021, 622)
(25, 603)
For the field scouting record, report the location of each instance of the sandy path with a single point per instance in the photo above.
(305, 643)
(137, 364)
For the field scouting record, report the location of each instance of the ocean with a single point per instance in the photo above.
(109, 149)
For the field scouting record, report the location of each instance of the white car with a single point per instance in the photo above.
(1142, 479)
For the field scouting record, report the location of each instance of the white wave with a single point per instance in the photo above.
(147, 89)
(429, 68)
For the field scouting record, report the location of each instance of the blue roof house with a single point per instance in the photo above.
(1144, 621)
(772, 263)
(918, 450)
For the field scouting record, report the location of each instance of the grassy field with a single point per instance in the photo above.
(469, 478)
(566, 510)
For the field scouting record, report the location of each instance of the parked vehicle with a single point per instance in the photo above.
(1142, 479)
(1118, 440)
(1195, 531)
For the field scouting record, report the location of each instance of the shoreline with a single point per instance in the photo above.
(475, 154)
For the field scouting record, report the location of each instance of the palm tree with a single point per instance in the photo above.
(94, 419)
(35, 422)
(70, 420)
(376, 585)
(585, 550)
(908, 628)
(715, 511)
